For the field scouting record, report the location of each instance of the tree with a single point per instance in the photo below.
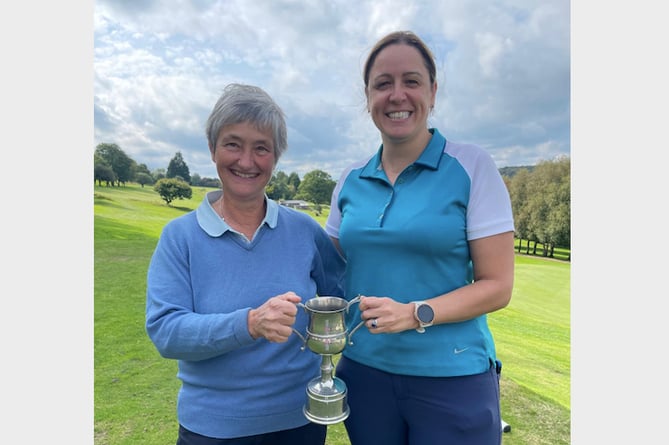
(316, 187)
(121, 164)
(143, 178)
(158, 173)
(142, 168)
(178, 168)
(541, 202)
(293, 184)
(278, 187)
(103, 172)
(558, 197)
(210, 182)
(517, 186)
(171, 188)
(195, 179)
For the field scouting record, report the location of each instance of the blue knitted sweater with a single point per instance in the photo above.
(202, 280)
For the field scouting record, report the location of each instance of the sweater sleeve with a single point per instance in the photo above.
(177, 331)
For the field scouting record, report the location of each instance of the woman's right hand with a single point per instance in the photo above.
(275, 318)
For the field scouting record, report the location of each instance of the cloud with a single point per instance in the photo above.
(504, 74)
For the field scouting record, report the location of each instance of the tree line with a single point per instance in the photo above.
(114, 168)
(540, 194)
(541, 203)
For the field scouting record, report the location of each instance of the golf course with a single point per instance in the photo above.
(135, 388)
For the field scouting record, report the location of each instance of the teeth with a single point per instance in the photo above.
(244, 175)
(399, 115)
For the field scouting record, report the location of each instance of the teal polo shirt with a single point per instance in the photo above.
(409, 241)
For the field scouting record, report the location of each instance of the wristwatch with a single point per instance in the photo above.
(424, 313)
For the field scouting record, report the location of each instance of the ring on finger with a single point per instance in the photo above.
(374, 324)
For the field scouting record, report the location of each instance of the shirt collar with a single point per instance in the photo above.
(429, 158)
(214, 225)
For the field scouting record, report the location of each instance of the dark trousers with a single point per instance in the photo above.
(310, 434)
(393, 409)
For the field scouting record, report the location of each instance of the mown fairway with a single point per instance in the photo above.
(135, 389)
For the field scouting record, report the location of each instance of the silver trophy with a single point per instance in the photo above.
(326, 335)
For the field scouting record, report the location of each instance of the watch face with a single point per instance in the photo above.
(425, 313)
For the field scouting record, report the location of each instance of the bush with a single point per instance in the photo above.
(170, 189)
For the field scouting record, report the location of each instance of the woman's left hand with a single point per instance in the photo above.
(383, 315)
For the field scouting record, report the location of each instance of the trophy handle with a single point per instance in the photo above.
(304, 340)
(350, 303)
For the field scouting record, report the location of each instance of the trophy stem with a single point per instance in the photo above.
(327, 369)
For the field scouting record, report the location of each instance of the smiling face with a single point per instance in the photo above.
(400, 95)
(245, 158)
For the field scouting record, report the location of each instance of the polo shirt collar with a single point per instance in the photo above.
(214, 225)
(429, 158)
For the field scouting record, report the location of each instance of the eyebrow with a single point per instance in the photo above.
(408, 73)
(234, 137)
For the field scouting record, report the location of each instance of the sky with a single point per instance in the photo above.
(503, 74)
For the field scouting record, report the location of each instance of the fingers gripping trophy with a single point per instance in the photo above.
(327, 336)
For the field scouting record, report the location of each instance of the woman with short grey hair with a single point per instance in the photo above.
(223, 286)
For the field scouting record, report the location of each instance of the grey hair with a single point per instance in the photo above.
(247, 103)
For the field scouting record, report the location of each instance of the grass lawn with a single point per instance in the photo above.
(135, 388)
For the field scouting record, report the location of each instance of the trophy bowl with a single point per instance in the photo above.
(326, 344)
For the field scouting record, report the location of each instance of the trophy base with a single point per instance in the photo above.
(326, 420)
(326, 402)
